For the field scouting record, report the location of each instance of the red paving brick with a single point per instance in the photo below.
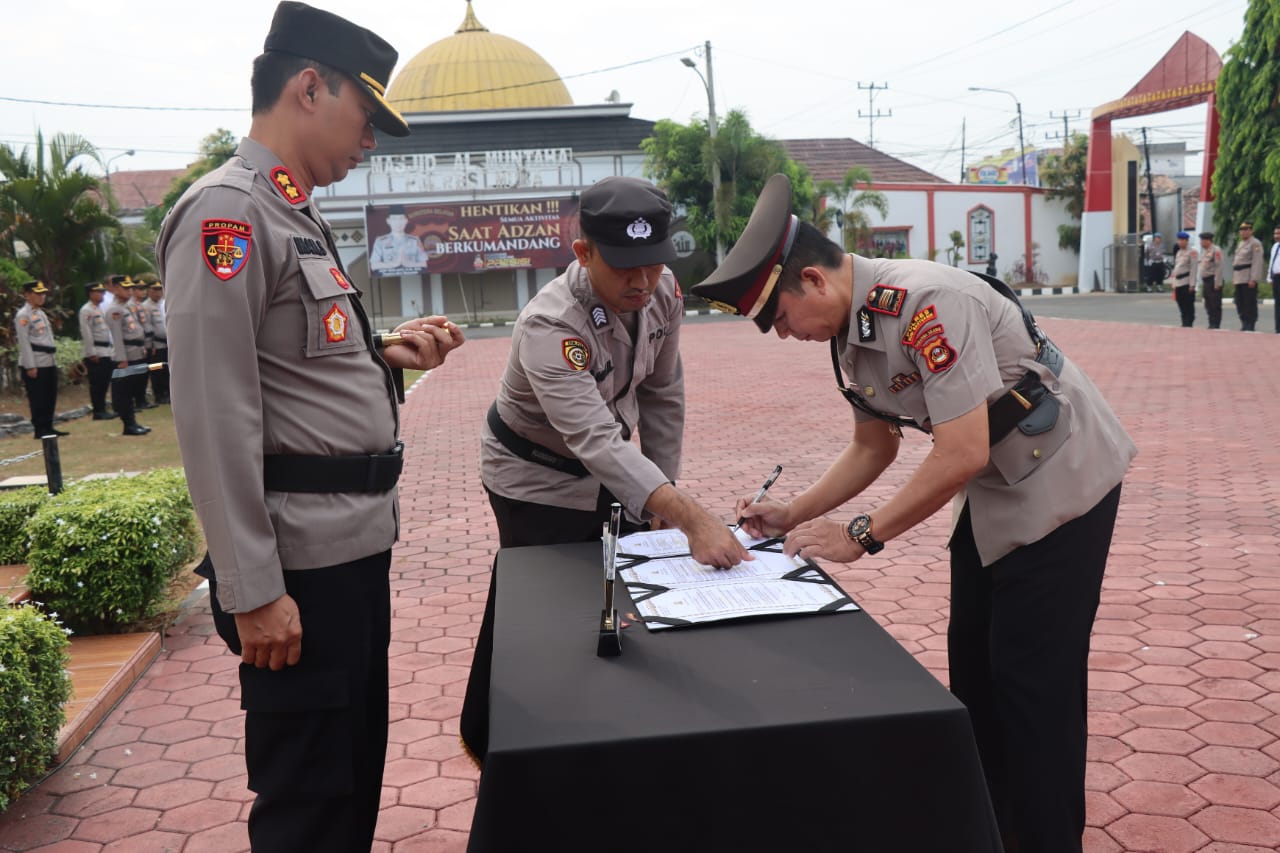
(1185, 669)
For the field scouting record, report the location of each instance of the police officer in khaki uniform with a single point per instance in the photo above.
(142, 313)
(1248, 265)
(1211, 278)
(37, 353)
(160, 336)
(129, 350)
(95, 339)
(595, 355)
(286, 414)
(1018, 430)
(1184, 282)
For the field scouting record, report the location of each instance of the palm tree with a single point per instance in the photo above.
(850, 210)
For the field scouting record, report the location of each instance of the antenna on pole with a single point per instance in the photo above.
(872, 113)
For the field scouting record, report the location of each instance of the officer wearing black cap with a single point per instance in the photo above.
(1211, 278)
(595, 355)
(1248, 266)
(1018, 431)
(129, 353)
(285, 406)
(95, 340)
(160, 337)
(37, 353)
(1184, 279)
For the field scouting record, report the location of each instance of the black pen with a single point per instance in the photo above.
(760, 494)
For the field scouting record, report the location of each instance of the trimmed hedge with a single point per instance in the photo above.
(16, 508)
(34, 685)
(104, 552)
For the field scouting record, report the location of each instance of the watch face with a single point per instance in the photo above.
(860, 525)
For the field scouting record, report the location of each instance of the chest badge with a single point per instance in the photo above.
(339, 278)
(335, 325)
(287, 186)
(226, 246)
(576, 353)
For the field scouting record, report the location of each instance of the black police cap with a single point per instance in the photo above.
(1206, 235)
(629, 220)
(113, 280)
(746, 283)
(34, 287)
(301, 30)
(94, 287)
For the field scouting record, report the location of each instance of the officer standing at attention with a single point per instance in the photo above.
(1184, 282)
(285, 407)
(1247, 268)
(36, 358)
(1273, 273)
(160, 333)
(129, 349)
(1211, 278)
(95, 339)
(142, 313)
(1018, 430)
(594, 355)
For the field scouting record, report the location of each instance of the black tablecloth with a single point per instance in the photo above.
(804, 733)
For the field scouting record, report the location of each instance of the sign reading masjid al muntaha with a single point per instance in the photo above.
(413, 239)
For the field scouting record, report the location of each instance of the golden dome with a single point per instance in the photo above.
(474, 69)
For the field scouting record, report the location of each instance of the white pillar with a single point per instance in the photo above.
(411, 304)
(1204, 219)
(1095, 235)
(437, 294)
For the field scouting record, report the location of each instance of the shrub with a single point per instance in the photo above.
(16, 507)
(104, 552)
(33, 687)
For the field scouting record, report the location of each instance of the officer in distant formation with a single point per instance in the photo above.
(1247, 268)
(36, 357)
(160, 341)
(1184, 282)
(1273, 273)
(141, 311)
(1154, 263)
(1211, 278)
(95, 339)
(129, 349)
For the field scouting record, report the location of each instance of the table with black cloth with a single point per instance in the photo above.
(808, 733)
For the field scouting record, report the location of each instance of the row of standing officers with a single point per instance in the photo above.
(1249, 267)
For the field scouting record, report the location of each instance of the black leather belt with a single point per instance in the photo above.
(531, 451)
(44, 348)
(1241, 266)
(135, 342)
(102, 343)
(1183, 275)
(373, 472)
(164, 340)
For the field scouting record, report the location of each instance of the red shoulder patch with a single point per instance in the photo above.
(576, 353)
(226, 243)
(884, 299)
(339, 278)
(939, 356)
(287, 186)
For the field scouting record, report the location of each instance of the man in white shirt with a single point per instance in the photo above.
(1273, 273)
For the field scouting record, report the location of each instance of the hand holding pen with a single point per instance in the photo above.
(763, 519)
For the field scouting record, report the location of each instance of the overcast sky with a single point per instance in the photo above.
(793, 67)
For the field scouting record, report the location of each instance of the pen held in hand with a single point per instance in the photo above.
(763, 490)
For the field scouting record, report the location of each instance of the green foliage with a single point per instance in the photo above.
(953, 251)
(103, 552)
(1246, 181)
(1069, 237)
(680, 159)
(16, 508)
(1064, 175)
(33, 688)
(850, 209)
(215, 149)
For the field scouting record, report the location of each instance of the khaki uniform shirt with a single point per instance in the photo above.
(577, 385)
(397, 251)
(142, 313)
(128, 341)
(32, 327)
(1211, 264)
(953, 343)
(1184, 267)
(159, 328)
(270, 354)
(95, 338)
(1249, 262)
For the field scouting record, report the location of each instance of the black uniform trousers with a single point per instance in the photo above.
(1018, 652)
(160, 378)
(1212, 301)
(1185, 296)
(1275, 296)
(99, 373)
(316, 732)
(1246, 300)
(42, 395)
(123, 391)
(139, 386)
(522, 523)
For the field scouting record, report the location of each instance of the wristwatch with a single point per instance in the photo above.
(859, 531)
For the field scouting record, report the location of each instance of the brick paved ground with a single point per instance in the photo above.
(1185, 720)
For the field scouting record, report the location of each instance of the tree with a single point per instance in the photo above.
(215, 149)
(1064, 174)
(679, 157)
(850, 209)
(1246, 181)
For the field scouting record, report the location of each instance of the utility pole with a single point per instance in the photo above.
(964, 174)
(872, 113)
(708, 82)
(1066, 117)
(1151, 192)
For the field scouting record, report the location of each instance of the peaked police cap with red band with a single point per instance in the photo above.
(746, 283)
(301, 30)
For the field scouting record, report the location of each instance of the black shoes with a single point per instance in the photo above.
(105, 416)
(61, 432)
(145, 406)
(136, 429)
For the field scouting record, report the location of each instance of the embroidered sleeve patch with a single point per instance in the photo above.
(884, 299)
(919, 320)
(335, 325)
(287, 186)
(339, 278)
(226, 246)
(939, 355)
(576, 353)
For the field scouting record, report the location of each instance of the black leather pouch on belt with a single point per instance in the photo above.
(374, 472)
(1028, 405)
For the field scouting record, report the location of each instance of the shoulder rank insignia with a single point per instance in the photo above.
(335, 325)
(339, 278)
(226, 246)
(866, 326)
(884, 299)
(287, 186)
(576, 353)
(599, 318)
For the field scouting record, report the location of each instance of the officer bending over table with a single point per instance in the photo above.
(1021, 437)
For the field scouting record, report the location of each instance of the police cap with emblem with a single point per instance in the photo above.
(746, 283)
(629, 220)
(34, 287)
(1206, 235)
(300, 30)
(115, 280)
(94, 286)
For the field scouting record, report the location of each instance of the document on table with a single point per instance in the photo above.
(671, 589)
